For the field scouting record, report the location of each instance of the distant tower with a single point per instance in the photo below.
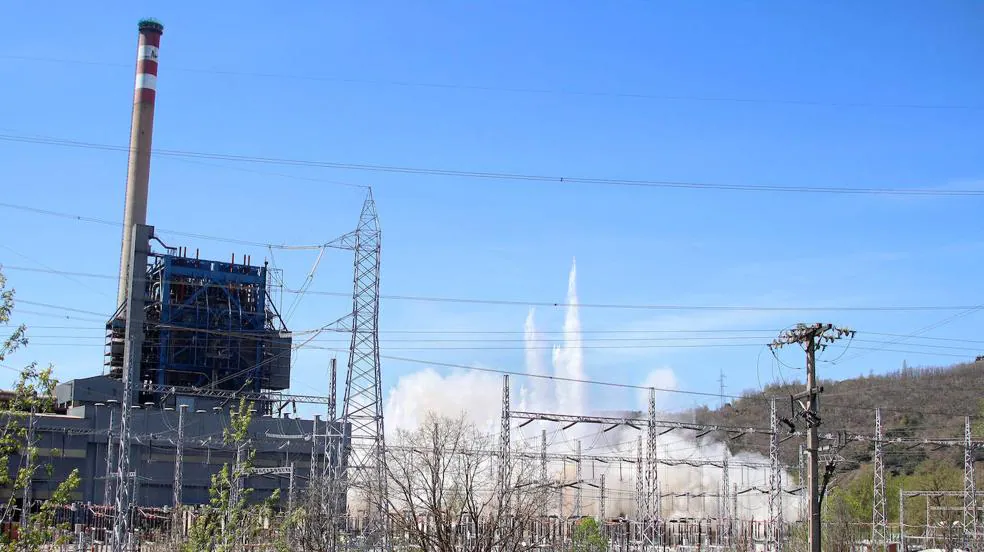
(363, 407)
(775, 483)
(970, 491)
(879, 519)
(721, 386)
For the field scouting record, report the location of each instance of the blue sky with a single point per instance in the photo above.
(877, 94)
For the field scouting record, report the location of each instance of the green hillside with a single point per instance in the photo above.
(916, 403)
(926, 403)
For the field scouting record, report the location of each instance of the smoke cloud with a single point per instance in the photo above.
(477, 395)
(568, 359)
(688, 490)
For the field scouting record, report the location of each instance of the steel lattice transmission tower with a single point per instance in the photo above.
(652, 513)
(124, 500)
(726, 513)
(503, 476)
(577, 479)
(879, 521)
(108, 494)
(775, 482)
(970, 491)
(133, 346)
(543, 469)
(640, 490)
(363, 407)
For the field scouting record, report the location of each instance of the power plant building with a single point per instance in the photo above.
(209, 335)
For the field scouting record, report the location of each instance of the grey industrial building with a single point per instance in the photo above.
(78, 440)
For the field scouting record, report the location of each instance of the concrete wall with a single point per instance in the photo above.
(78, 441)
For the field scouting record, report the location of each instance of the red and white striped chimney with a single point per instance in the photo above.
(141, 134)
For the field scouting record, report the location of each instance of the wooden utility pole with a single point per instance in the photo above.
(812, 337)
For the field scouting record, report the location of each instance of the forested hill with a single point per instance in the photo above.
(915, 402)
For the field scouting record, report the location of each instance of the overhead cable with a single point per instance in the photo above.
(493, 175)
(521, 89)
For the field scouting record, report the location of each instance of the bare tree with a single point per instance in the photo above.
(446, 491)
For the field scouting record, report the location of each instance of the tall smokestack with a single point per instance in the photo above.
(141, 134)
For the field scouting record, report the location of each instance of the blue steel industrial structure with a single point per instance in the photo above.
(208, 324)
(214, 328)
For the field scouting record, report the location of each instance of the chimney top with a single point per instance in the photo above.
(150, 24)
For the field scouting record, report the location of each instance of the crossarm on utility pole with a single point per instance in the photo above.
(812, 337)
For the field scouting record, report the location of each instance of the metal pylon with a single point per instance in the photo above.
(543, 468)
(775, 483)
(652, 513)
(29, 485)
(879, 521)
(291, 490)
(601, 502)
(901, 518)
(504, 482)
(725, 503)
(108, 493)
(179, 457)
(314, 471)
(504, 437)
(577, 481)
(121, 523)
(132, 354)
(970, 495)
(330, 502)
(363, 406)
(640, 490)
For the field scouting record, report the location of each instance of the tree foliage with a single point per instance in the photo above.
(587, 537)
(847, 509)
(32, 394)
(229, 520)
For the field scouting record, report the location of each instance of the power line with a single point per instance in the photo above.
(520, 89)
(47, 268)
(629, 340)
(492, 175)
(880, 345)
(666, 390)
(311, 344)
(61, 316)
(277, 174)
(682, 346)
(964, 313)
(663, 307)
(59, 307)
(613, 306)
(82, 218)
(617, 385)
(454, 331)
(57, 272)
(933, 338)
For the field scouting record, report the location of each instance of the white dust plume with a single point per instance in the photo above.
(476, 394)
(535, 392)
(568, 359)
(687, 488)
